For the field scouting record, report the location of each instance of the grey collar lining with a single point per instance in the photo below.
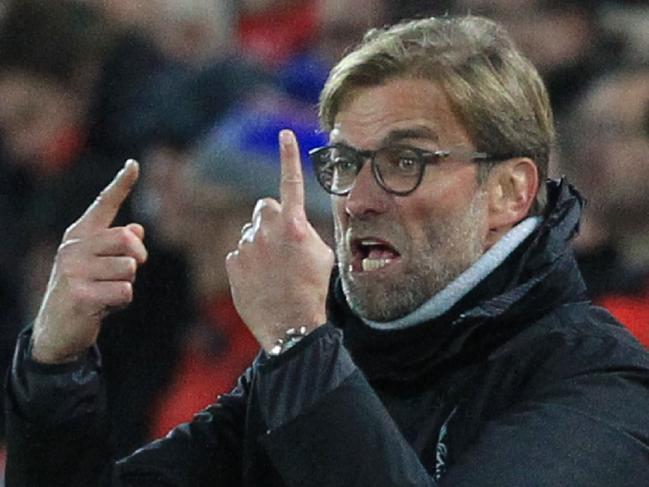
(456, 290)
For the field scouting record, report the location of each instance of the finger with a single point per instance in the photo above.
(113, 294)
(117, 241)
(101, 213)
(245, 228)
(265, 210)
(292, 182)
(231, 259)
(232, 267)
(247, 237)
(137, 229)
(113, 269)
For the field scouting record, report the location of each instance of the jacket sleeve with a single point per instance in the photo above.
(57, 433)
(326, 426)
(585, 425)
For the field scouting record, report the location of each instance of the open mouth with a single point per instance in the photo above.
(372, 254)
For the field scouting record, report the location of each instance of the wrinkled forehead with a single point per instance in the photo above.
(397, 110)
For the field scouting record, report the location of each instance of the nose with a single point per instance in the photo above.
(366, 196)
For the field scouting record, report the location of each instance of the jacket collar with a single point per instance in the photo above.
(441, 302)
(537, 276)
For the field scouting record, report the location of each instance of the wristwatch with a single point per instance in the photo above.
(291, 337)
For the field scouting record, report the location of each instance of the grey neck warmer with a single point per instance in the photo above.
(456, 290)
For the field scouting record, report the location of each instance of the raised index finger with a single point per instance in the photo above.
(292, 183)
(101, 213)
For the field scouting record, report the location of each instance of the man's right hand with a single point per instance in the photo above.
(93, 274)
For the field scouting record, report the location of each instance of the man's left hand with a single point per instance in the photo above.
(280, 271)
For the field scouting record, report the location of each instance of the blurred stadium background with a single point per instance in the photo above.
(197, 91)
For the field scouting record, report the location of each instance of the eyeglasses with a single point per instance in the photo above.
(397, 169)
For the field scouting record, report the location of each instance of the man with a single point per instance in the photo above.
(608, 153)
(456, 348)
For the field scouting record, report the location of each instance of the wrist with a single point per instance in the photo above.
(41, 353)
(291, 337)
(287, 336)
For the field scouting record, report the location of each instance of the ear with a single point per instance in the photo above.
(512, 186)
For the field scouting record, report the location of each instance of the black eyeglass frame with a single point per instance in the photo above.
(361, 156)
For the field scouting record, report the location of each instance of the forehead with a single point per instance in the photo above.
(368, 116)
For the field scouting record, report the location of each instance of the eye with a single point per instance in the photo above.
(406, 163)
(344, 164)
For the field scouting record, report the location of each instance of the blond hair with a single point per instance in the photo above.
(494, 89)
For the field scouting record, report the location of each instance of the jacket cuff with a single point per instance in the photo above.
(52, 394)
(293, 382)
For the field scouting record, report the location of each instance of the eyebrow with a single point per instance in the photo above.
(397, 135)
(417, 132)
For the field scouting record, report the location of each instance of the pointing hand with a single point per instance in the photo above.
(93, 273)
(279, 273)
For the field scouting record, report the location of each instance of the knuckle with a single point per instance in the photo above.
(82, 294)
(63, 248)
(296, 229)
(138, 253)
(131, 267)
(66, 247)
(261, 204)
(261, 236)
(266, 206)
(124, 236)
(67, 259)
(245, 239)
(330, 257)
(125, 292)
(68, 271)
(231, 261)
(329, 253)
(69, 231)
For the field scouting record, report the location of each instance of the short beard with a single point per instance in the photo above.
(451, 247)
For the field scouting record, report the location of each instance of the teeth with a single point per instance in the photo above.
(374, 264)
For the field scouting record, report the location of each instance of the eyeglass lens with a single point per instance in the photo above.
(397, 169)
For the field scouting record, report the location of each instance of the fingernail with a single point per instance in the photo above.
(285, 137)
(129, 163)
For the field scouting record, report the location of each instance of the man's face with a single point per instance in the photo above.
(396, 252)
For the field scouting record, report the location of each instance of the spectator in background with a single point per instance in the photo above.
(47, 68)
(444, 385)
(627, 21)
(195, 193)
(130, 64)
(607, 154)
(161, 74)
(51, 65)
(303, 74)
(206, 75)
(271, 32)
(562, 38)
(174, 69)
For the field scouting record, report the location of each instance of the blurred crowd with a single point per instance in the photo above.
(197, 91)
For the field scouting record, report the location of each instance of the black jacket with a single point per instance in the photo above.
(522, 383)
